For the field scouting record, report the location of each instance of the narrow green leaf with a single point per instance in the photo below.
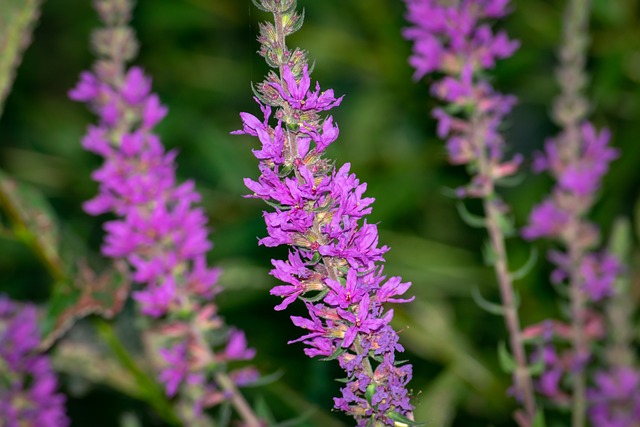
(538, 420)
(469, 218)
(511, 181)
(257, 4)
(527, 267)
(263, 411)
(488, 254)
(33, 222)
(17, 19)
(507, 363)
(486, 305)
(337, 353)
(402, 421)
(538, 367)
(317, 297)
(223, 417)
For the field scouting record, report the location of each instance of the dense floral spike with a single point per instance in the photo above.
(577, 159)
(157, 229)
(334, 262)
(28, 384)
(455, 42)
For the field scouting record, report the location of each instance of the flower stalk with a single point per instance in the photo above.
(453, 38)
(334, 260)
(159, 231)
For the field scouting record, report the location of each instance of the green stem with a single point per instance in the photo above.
(152, 393)
(570, 110)
(512, 322)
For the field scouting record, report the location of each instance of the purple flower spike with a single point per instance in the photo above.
(28, 384)
(456, 41)
(334, 261)
(160, 231)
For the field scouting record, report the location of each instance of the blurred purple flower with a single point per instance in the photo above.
(28, 396)
(333, 261)
(615, 399)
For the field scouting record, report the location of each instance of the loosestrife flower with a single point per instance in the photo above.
(615, 399)
(577, 159)
(319, 211)
(455, 42)
(158, 229)
(28, 396)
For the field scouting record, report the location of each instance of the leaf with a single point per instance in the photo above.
(317, 297)
(17, 19)
(263, 411)
(488, 306)
(469, 218)
(104, 295)
(337, 353)
(33, 222)
(402, 421)
(257, 4)
(507, 363)
(488, 254)
(527, 267)
(538, 420)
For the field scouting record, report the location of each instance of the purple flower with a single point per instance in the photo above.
(546, 220)
(334, 257)
(599, 273)
(28, 396)
(453, 40)
(160, 231)
(615, 399)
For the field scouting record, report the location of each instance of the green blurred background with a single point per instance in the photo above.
(202, 55)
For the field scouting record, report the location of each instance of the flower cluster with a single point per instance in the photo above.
(158, 229)
(615, 400)
(578, 171)
(334, 261)
(454, 40)
(28, 384)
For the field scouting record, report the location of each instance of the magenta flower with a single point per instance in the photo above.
(28, 396)
(615, 399)
(455, 40)
(334, 261)
(159, 230)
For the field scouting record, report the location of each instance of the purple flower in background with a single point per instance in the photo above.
(615, 399)
(334, 261)
(158, 228)
(455, 40)
(28, 396)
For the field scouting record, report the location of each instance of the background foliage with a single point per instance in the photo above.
(202, 55)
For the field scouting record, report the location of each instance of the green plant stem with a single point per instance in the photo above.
(570, 110)
(153, 394)
(493, 211)
(237, 400)
(512, 322)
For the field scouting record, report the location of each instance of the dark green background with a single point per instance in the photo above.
(202, 55)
